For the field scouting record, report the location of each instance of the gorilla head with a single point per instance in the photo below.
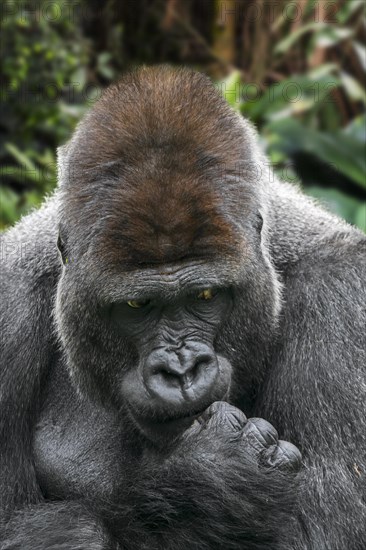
(167, 287)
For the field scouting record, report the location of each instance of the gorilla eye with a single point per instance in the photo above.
(136, 303)
(206, 294)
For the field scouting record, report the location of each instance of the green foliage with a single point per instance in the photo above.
(345, 153)
(43, 75)
(346, 207)
(300, 116)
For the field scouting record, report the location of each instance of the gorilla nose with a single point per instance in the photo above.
(185, 374)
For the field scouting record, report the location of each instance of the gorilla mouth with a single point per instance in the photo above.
(168, 427)
(171, 426)
(162, 419)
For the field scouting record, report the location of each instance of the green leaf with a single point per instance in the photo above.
(348, 9)
(8, 207)
(103, 66)
(285, 44)
(20, 157)
(357, 128)
(300, 93)
(343, 152)
(361, 53)
(79, 78)
(19, 174)
(349, 208)
(360, 217)
(230, 89)
(325, 69)
(331, 36)
(354, 90)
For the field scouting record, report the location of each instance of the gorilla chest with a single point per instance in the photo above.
(80, 450)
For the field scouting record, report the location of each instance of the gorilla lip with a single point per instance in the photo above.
(168, 427)
(175, 424)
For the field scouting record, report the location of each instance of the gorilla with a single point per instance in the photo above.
(183, 342)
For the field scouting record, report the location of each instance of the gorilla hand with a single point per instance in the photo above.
(226, 473)
(223, 429)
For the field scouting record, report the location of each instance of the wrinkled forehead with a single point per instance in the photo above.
(165, 217)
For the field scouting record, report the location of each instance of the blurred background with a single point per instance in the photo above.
(295, 68)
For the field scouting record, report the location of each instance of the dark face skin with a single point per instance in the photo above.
(178, 372)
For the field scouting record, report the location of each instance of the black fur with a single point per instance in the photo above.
(80, 469)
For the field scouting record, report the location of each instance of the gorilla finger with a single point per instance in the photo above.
(259, 434)
(284, 455)
(223, 415)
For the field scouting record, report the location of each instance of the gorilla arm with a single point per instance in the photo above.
(28, 279)
(29, 273)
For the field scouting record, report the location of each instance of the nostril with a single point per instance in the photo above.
(157, 369)
(201, 363)
(168, 376)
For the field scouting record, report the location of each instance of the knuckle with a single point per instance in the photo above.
(284, 455)
(221, 412)
(262, 431)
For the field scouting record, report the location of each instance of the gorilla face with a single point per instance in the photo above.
(167, 291)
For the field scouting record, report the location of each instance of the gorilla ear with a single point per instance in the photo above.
(62, 249)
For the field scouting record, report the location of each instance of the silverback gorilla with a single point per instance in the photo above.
(167, 316)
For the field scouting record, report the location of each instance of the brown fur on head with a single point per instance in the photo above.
(156, 224)
(156, 107)
(150, 160)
